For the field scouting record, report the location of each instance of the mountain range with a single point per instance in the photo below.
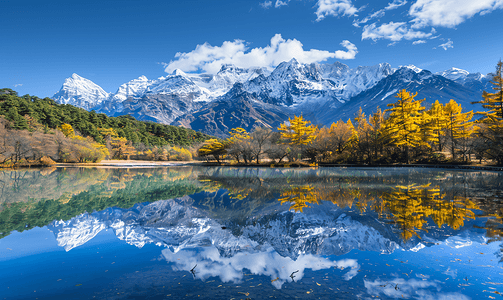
(239, 97)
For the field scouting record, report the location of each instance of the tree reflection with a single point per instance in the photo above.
(299, 196)
(409, 207)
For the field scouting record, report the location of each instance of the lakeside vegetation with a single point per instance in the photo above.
(407, 132)
(35, 131)
(35, 199)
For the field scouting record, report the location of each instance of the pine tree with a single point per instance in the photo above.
(403, 124)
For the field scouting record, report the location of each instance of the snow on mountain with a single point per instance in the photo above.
(80, 92)
(428, 86)
(473, 81)
(412, 67)
(224, 80)
(134, 88)
(323, 93)
(176, 224)
(454, 74)
(354, 81)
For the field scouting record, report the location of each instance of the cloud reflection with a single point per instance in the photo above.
(412, 288)
(210, 263)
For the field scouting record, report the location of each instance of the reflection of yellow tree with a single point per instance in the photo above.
(409, 206)
(300, 196)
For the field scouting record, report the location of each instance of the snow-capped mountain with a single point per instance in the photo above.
(472, 81)
(427, 85)
(178, 224)
(80, 92)
(324, 93)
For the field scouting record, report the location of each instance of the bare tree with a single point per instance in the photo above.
(260, 137)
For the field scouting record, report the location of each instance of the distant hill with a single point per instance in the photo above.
(29, 112)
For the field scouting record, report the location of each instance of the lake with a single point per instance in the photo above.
(251, 233)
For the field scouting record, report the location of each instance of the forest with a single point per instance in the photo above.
(40, 131)
(408, 131)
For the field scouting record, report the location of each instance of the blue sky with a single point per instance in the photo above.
(113, 41)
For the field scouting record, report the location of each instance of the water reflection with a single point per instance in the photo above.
(226, 223)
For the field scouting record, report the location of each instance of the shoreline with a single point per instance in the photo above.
(142, 164)
(129, 163)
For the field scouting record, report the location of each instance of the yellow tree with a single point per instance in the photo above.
(67, 130)
(299, 132)
(364, 133)
(404, 123)
(353, 138)
(213, 147)
(239, 144)
(377, 138)
(122, 148)
(341, 134)
(494, 101)
(492, 129)
(436, 123)
(458, 125)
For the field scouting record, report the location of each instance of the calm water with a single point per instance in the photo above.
(224, 233)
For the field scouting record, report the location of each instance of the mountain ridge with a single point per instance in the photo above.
(324, 92)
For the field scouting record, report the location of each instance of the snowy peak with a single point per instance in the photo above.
(462, 76)
(412, 67)
(454, 74)
(80, 92)
(133, 88)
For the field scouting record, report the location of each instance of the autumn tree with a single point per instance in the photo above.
(458, 126)
(341, 133)
(494, 101)
(403, 126)
(213, 147)
(377, 139)
(492, 129)
(435, 124)
(67, 130)
(239, 145)
(298, 132)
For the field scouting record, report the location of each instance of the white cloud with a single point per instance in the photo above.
(266, 4)
(449, 13)
(18, 84)
(380, 13)
(210, 58)
(393, 31)
(447, 45)
(395, 4)
(334, 8)
(280, 3)
(418, 42)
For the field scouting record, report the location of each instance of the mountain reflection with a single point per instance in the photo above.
(327, 211)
